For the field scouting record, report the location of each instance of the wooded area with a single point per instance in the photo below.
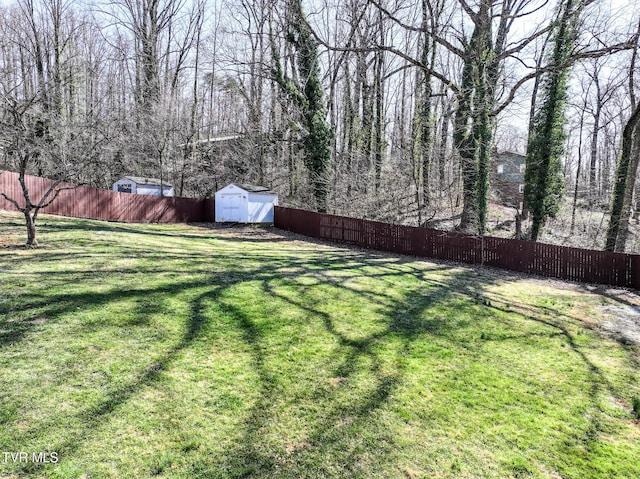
(379, 109)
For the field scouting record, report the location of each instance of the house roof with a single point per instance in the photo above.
(216, 139)
(141, 180)
(511, 153)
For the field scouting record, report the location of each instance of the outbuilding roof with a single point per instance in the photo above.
(141, 180)
(254, 188)
(511, 153)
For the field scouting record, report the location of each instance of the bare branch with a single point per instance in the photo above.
(12, 201)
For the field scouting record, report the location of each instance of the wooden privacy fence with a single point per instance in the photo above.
(562, 262)
(98, 204)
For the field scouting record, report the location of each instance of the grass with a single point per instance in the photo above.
(185, 352)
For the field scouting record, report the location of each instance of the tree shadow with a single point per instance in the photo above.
(353, 357)
(92, 416)
(409, 319)
(561, 323)
(363, 369)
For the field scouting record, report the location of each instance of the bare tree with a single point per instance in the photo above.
(24, 147)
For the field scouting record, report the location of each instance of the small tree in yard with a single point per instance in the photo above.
(27, 145)
(30, 209)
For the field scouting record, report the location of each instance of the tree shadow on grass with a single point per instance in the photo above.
(238, 233)
(94, 415)
(361, 369)
(601, 388)
(332, 436)
(367, 368)
(56, 306)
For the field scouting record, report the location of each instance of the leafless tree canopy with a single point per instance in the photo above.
(419, 96)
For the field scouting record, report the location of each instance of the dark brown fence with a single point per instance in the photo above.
(562, 262)
(94, 203)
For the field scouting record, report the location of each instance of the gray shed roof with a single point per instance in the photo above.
(141, 180)
(254, 188)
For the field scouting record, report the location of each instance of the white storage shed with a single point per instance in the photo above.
(139, 185)
(241, 203)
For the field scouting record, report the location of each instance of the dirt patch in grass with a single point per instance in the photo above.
(10, 243)
(239, 229)
(622, 323)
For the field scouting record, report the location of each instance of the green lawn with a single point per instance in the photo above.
(136, 351)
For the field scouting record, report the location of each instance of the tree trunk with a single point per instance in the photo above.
(379, 113)
(532, 113)
(31, 229)
(623, 172)
(463, 143)
(442, 153)
(544, 183)
(623, 234)
(593, 163)
(427, 58)
(575, 190)
(474, 119)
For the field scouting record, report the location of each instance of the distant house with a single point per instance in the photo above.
(139, 185)
(242, 203)
(508, 178)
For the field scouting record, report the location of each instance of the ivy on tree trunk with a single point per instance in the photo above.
(308, 97)
(544, 183)
(625, 181)
(474, 121)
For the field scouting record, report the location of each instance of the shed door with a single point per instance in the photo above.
(232, 207)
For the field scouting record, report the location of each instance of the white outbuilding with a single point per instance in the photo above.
(241, 203)
(139, 185)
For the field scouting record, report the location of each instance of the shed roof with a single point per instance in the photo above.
(254, 188)
(141, 180)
